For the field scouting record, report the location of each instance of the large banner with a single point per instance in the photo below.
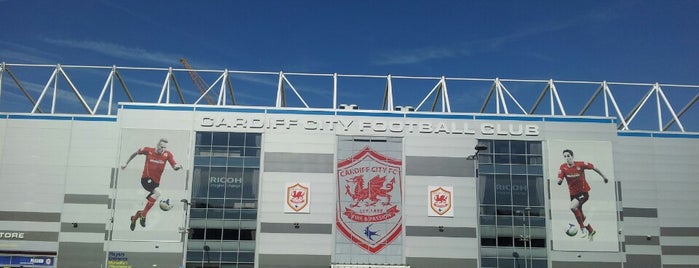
(369, 205)
(583, 199)
(150, 185)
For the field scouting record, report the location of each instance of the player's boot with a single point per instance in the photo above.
(142, 219)
(133, 220)
(592, 234)
(583, 233)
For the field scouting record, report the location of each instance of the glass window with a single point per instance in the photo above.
(220, 139)
(224, 186)
(503, 190)
(236, 140)
(518, 147)
(502, 146)
(487, 189)
(512, 176)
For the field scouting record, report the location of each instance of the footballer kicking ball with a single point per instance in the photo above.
(571, 229)
(165, 204)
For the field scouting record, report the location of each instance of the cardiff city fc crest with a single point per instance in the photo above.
(440, 201)
(297, 198)
(369, 195)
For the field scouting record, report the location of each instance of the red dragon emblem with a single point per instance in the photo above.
(440, 198)
(363, 203)
(297, 196)
(440, 201)
(372, 192)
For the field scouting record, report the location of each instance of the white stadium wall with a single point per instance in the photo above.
(65, 194)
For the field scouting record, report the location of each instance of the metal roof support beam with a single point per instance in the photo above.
(503, 88)
(43, 92)
(280, 92)
(539, 99)
(437, 97)
(222, 91)
(75, 90)
(2, 72)
(639, 105)
(165, 89)
(334, 90)
(487, 98)
(592, 99)
(230, 88)
(661, 94)
(446, 106)
(177, 88)
(554, 93)
(684, 109)
(108, 83)
(54, 78)
(387, 103)
(436, 88)
(123, 85)
(608, 94)
(20, 86)
(499, 97)
(207, 90)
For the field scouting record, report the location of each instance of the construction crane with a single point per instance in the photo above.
(198, 82)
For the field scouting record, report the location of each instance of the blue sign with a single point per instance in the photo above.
(29, 261)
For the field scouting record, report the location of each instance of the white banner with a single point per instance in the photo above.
(441, 201)
(583, 200)
(298, 197)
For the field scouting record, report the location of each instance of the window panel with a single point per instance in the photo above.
(236, 139)
(220, 139)
(502, 146)
(225, 183)
(516, 173)
(518, 147)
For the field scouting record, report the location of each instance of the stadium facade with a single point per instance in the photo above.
(279, 186)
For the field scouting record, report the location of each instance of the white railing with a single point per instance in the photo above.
(96, 90)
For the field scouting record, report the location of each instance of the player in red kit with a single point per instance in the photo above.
(574, 174)
(150, 179)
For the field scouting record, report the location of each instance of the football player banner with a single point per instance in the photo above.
(298, 198)
(582, 196)
(369, 199)
(441, 200)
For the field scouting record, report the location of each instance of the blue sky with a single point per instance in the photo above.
(622, 41)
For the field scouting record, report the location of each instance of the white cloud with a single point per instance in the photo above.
(419, 55)
(117, 51)
(23, 54)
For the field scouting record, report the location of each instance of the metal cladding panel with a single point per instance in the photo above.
(292, 261)
(417, 262)
(272, 198)
(441, 247)
(657, 173)
(676, 162)
(464, 201)
(298, 244)
(296, 158)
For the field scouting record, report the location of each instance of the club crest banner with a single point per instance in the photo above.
(298, 198)
(441, 199)
(369, 199)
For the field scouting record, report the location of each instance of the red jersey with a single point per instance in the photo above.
(575, 176)
(155, 163)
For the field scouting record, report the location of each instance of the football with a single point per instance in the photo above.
(165, 204)
(571, 230)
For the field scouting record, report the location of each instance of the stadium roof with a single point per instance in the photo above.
(96, 90)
